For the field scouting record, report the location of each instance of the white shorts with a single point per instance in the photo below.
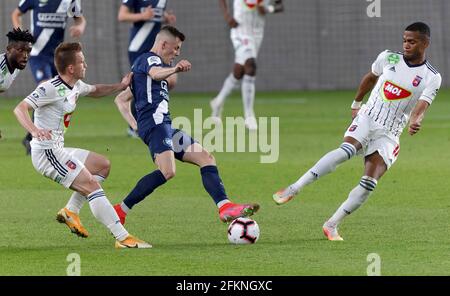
(374, 138)
(245, 46)
(62, 165)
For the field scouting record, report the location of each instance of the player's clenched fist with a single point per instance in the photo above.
(183, 66)
(413, 128)
(126, 80)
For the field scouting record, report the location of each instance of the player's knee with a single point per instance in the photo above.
(208, 158)
(238, 71)
(168, 173)
(250, 67)
(105, 167)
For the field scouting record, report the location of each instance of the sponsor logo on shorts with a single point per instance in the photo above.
(71, 165)
(168, 142)
(352, 128)
(393, 92)
(58, 179)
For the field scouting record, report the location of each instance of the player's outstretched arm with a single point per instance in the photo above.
(170, 18)
(16, 18)
(125, 15)
(161, 73)
(417, 115)
(102, 90)
(367, 83)
(23, 116)
(78, 28)
(123, 101)
(227, 15)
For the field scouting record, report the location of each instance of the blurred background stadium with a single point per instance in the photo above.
(314, 44)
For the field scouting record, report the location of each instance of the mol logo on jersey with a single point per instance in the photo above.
(392, 92)
(252, 3)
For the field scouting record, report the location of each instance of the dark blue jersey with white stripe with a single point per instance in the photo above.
(143, 34)
(48, 22)
(151, 96)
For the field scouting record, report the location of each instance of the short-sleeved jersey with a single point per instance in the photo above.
(143, 34)
(250, 21)
(399, 87)
(54, 101)
(6, 76)
(48, 22)
(151, 96)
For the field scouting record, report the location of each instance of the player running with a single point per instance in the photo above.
(153, 76)
(403, 87)
(54, 102)
(247, 31)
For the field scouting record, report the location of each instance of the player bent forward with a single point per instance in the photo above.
(153, 76)
(405, 85)
(54, 101)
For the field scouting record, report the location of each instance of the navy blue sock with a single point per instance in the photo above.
(212, 183)
(144, 187)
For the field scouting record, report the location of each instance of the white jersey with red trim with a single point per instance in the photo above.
(251, 22)
(54, 101)
(398, 89)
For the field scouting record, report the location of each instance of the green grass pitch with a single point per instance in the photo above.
(405, 221)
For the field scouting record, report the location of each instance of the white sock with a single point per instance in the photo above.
(124, 207)
(325, 165)
(229, 84)
(77, 200)
(355, 199)
(222, 202)
(248, 95)
(104, 212)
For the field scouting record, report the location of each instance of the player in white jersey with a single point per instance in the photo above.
(247, 31)
(403, 86)
(54, 102)
(15, 58)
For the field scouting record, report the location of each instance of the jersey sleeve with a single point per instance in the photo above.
(153, 61)
(430, 92)
(380, 62)
(41, 96)
(26, 5)
(75, 9)
(84, 88)
(129, 4)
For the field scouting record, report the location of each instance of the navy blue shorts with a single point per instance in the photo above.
(42, 68)
(163, 137)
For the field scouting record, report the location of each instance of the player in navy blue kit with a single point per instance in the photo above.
(147, 17)
(152, 77)
(48, 19)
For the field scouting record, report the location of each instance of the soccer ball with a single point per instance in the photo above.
(243, 231)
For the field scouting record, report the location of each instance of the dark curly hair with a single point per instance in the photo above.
(18, 34)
